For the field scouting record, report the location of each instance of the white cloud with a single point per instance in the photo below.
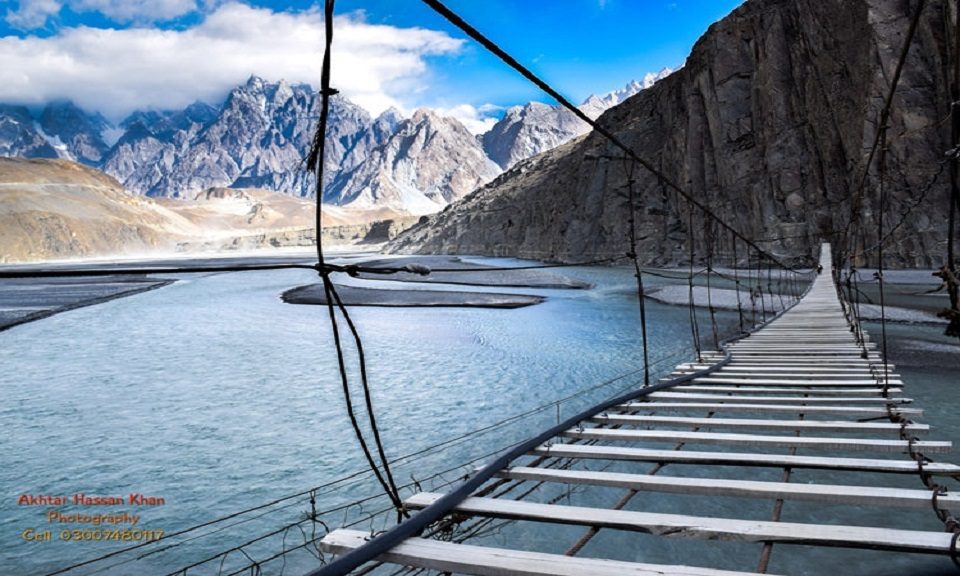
(118, 71)
(136, 10)
(32, 14)
(477, 121)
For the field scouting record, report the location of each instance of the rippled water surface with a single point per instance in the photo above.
(214, 395)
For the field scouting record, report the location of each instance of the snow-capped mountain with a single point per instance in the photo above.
(428, 162)
(259, 135)
(525, 131)
(595, 105)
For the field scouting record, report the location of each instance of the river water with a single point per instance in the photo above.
(213, 396)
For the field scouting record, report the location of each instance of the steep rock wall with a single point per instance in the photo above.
(768, 123)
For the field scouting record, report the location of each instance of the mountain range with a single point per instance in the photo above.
(258, 136)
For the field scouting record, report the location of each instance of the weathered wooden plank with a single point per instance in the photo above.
(868, 383)
(800, 343)
(484, 561)
(736, 366)
(787, 390)
(851, 362)
(676, 525)
(731, 439)
(860, 412)
(759, 424)
(839, 372)
(832, 493)
(744, 398)
(724, 377)
(805, 352)
(899, 466)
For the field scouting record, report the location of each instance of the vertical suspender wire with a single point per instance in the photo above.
(691, 305)
(750, 285)
(763, 302)
(632, 253)
(713, 312)
(332, 297)
(780, 287)
(773, 307)
(736, 280)
(858, 325)
(882, 161)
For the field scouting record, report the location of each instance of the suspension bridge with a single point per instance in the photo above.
(806, 380)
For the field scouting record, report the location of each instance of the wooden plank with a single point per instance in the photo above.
(730, 439)
(842, 379)
(758, 424)
(744, 367)
(813, 391)
(899, 466)
(743, 398)
(838, 372)
(677, 525)
(484, 561)
(817, 356)
(832, 493)
(793, 382)
(768, 408)
(801, 342)
(854, 362)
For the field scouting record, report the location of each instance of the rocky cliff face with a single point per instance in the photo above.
(767, 123)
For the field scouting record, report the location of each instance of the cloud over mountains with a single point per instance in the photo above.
(118, 70)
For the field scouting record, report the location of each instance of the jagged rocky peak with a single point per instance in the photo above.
(766, 124)
(19, 135)
(526, 131)
(166, 123)
(428, 162)
(595, 105)
(58, 130)
(386, 124)
(80, 133)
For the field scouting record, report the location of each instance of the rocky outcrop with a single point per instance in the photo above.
(766, 123)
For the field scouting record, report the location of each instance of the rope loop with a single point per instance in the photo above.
(941, 513)
(953, 549)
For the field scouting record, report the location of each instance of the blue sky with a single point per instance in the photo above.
(119, 55)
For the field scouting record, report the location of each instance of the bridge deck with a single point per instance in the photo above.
(803, 382)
